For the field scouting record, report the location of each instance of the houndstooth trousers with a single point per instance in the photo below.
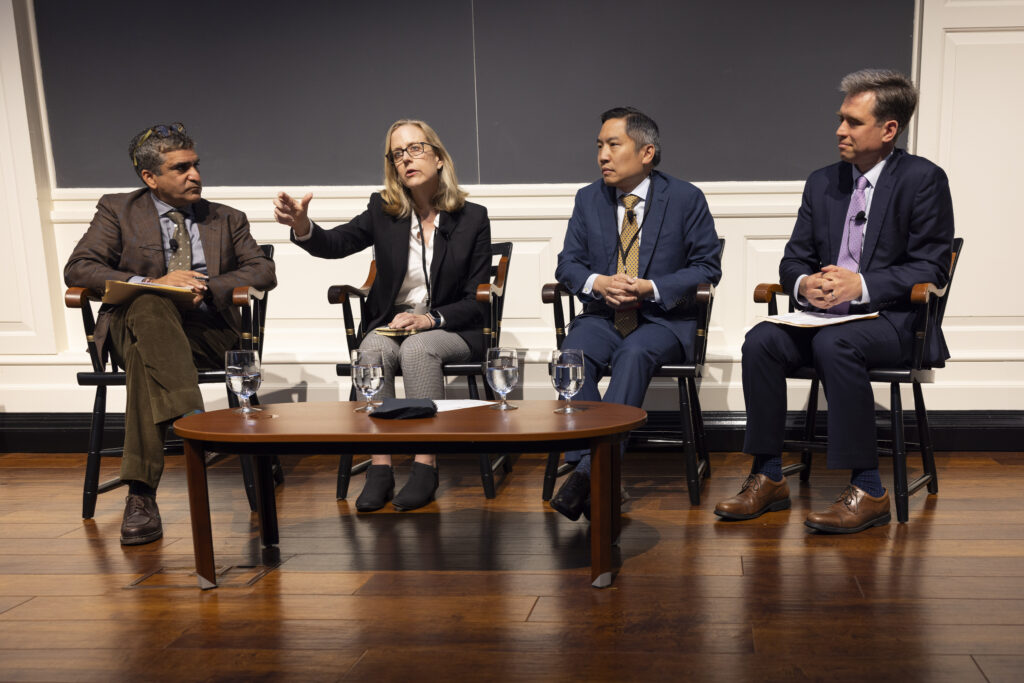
(420, 356)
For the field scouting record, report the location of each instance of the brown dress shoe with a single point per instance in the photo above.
(758, 495)
(141, 522)
(854, 510)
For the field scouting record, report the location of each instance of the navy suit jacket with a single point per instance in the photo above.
(461, 261)
(908, 240)
(678, 250)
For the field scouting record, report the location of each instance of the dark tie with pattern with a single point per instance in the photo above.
(628, 260)
(853, 236)
(181, 258)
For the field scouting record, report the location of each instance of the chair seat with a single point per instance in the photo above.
(901, 375)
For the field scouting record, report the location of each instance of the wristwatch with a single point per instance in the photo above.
(437, 319)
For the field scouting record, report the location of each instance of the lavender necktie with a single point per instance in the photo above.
(853, 237)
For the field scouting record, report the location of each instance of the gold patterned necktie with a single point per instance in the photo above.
(628, 260)
(181, 257)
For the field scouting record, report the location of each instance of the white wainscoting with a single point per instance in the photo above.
(305, 335)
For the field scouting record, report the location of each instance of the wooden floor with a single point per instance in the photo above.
(498, 590)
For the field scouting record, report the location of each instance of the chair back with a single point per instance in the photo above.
(499, 279)
(931, 313)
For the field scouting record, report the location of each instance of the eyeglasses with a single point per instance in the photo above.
(415, 151)
(161, 132)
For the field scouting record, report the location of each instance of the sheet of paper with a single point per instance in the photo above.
(446, 405)
(815, 319)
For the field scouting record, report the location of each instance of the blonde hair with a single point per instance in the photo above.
(397, 200)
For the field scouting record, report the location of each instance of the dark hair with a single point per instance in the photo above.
(640, 128)
(147, 148)
(895, 95)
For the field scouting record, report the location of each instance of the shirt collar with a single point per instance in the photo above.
(640, 190)
(873, 174)
(163, 207)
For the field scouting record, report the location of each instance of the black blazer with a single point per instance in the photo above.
(461, 261)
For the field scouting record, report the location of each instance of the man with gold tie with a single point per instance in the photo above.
(164, 233)
(637, 245)
(868, 229)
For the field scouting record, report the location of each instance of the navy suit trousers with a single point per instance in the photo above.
(841, 355)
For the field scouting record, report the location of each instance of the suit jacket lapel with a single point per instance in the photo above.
(440, 247)
(654, 216)
(143, 239)
(879, 207)
(209, 235)
(837, 217)
(608, 224)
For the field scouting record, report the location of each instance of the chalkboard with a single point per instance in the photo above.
(302, 93)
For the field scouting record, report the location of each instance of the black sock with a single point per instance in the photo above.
(140, 488)
(869, 481)
(768, 465)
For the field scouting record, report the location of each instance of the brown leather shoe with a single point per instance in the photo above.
(141, 522)
(854, 510)
(758, 495)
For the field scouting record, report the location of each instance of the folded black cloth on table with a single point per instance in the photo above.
(405, 409)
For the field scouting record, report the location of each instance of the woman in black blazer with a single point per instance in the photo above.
(432, 248)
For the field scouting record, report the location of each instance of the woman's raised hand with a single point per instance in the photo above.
(293, 212)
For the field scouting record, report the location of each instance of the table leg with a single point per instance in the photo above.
(199, 509)
(602, 510)
(266, 504)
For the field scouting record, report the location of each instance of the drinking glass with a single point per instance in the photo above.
(502, 374)
(242, 373)
(566, 370)
(367, 375)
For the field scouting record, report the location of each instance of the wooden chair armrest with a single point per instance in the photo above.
(705, 293)
(338, 293)
(241, 296)
(550, 292)
(922, 291)
(75, 297)
(764, 292)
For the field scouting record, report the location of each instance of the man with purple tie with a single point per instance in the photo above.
(868, 229)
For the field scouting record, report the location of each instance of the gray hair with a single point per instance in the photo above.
(147, 149)
(895, 95)
(640, 128)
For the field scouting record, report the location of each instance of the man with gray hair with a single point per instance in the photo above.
(868, 229)
(164, 233)
(638, 244)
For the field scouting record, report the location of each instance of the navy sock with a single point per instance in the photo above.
(584, 466)
(768, 465)
(869, 481)
(138, 488)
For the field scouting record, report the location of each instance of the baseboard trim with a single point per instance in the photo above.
(952, 430)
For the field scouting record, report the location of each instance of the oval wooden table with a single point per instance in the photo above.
(311, 428)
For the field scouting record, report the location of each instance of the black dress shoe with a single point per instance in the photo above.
(378, 489)
(572, 498)
(419, 490)
(141, 523)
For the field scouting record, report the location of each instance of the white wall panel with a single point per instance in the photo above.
(970, 58)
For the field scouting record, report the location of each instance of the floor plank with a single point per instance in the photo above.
(498, 589)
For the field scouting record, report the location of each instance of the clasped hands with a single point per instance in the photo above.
(830, 287)
(623, 292)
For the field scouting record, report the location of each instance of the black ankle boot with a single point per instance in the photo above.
(378, 489)
(419, 490)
